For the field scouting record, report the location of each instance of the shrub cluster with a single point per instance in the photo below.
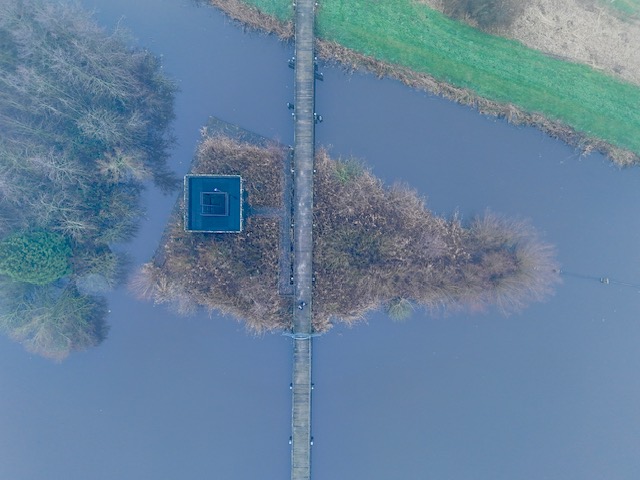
(487, 14)
(37, 257)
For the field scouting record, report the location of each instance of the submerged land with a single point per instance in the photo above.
(484, 54)
(374, 247)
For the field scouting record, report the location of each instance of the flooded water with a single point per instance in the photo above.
(550, 393)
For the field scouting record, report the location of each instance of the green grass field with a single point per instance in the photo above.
(417, 37)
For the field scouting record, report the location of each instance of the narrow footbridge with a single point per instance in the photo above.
(302, 206)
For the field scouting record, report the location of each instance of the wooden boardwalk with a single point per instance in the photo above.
(303, 159)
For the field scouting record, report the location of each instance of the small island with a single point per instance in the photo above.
(374, 247)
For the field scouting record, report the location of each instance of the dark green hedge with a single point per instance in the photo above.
(38, 257)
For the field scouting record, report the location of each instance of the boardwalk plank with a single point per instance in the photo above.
(303, 158)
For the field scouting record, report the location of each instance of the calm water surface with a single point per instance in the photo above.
(550, 393)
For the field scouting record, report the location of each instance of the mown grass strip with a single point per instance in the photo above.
(412, 35)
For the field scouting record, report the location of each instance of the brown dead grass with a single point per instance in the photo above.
(374, 245)
(262, 168)
(581, 31)
(233, 274)
(253, 18)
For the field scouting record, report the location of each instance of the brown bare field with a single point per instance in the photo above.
(582, 31)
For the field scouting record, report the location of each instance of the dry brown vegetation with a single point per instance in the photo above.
(373, 247)
(254, 18)
(582, 31)
(235, 274)
(226, 156)
(485, 14)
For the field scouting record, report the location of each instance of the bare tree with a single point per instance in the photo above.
(53, 321)
(85, 123)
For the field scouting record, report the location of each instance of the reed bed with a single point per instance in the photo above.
(374, 247)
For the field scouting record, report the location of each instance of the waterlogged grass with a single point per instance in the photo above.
(424, 40)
